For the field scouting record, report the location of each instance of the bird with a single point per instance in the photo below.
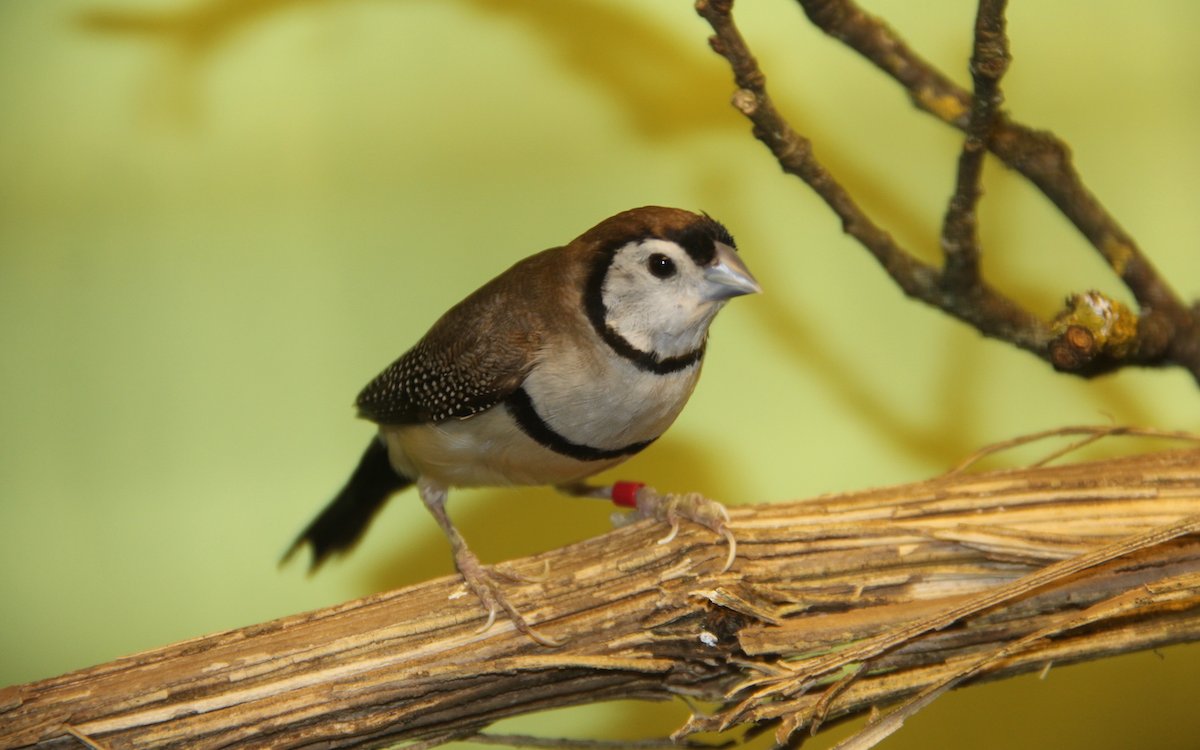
(568, 363)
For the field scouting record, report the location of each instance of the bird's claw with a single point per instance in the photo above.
(690, 506)
(483, 585)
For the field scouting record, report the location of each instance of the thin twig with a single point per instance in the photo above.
(990, 312)
(1095, 333)
(1168, 332)
(1092, 433)
(989, 61)
(1037, 154)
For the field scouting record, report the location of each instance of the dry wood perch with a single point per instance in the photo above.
(835, 605)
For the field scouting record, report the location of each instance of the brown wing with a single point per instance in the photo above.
(477, 354)
(480, 351)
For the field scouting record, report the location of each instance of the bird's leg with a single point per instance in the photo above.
(477, 578)
(671, 507)
(583, 489)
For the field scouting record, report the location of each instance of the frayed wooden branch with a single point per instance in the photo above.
(1094, 333)
(834, 606)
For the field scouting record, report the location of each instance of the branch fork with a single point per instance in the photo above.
(1163, 332)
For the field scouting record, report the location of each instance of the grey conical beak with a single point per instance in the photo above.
(728, 276)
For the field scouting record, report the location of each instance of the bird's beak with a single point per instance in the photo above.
(728, 276)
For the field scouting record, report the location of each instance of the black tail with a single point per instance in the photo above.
(342, 523)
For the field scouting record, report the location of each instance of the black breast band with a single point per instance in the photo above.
(520, 406)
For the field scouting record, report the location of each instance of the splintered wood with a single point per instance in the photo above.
(835, 606)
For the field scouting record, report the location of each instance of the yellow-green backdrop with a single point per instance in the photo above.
(219, 218)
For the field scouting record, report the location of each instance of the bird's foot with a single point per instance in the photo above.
(479, 580)
(672, 508)
(482, 583)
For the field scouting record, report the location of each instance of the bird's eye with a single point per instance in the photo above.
(661, 266)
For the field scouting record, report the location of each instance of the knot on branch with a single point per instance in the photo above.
(1093, 328)
(949, 107)
(745, 101)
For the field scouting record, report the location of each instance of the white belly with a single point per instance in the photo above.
(606, 406)
(483, 451)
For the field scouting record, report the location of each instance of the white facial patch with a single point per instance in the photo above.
(660, 312)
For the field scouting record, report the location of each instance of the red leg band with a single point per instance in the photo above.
(624, 494)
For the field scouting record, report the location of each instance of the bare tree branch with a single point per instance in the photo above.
(960, 238)
(1095, 334)
(991, 312)
(835, 605)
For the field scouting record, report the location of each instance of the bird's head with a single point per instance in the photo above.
(658, 277)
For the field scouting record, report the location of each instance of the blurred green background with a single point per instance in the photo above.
(220, 218)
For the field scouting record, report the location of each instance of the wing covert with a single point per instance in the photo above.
(432, 383)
